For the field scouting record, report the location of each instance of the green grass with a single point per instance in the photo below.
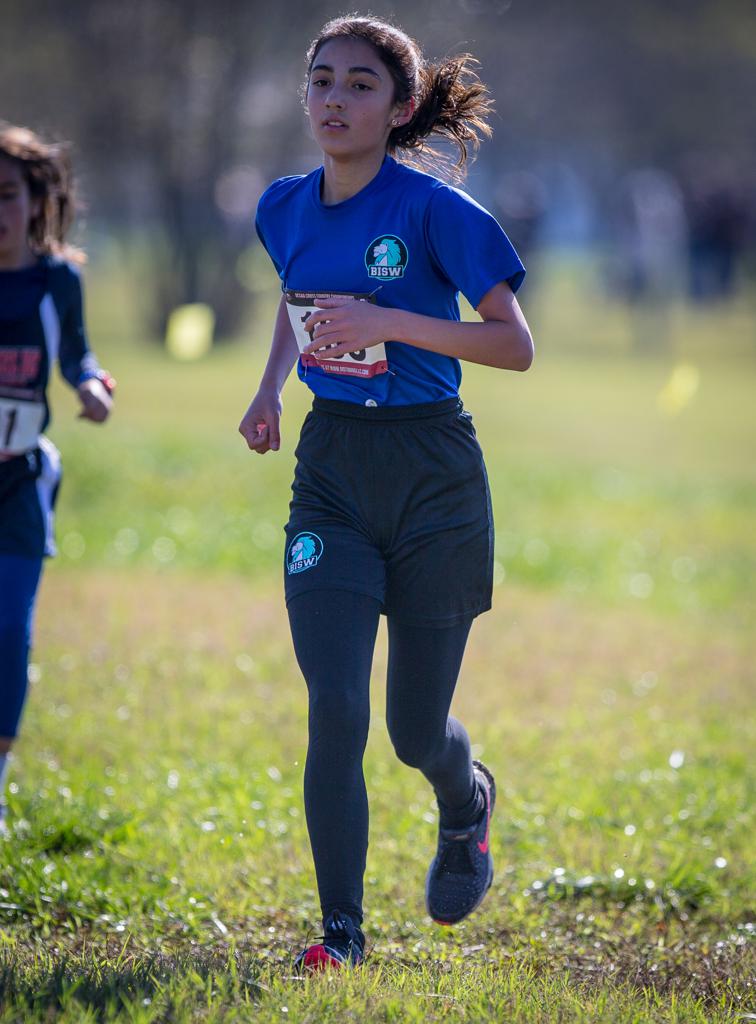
(158, 867)
(159, 832)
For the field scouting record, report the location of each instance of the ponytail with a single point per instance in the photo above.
(46, 168)
(454, 106)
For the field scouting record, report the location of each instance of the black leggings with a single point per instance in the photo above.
(334, 635)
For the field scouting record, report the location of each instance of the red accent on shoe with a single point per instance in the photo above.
(317, 958)
(483, 847)
(446, 924)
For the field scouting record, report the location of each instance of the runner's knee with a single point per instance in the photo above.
(339, 715)
(415, 746)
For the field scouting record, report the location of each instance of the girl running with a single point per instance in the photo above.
(391, 510)
(40, 321)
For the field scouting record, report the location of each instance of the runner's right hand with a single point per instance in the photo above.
(260, 425)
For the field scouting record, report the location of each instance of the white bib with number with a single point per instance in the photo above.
(365, 362)
(20, 425)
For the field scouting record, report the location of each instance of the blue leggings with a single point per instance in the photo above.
(334, 633)
(19, 579)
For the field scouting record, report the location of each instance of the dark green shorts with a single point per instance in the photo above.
(392, 502)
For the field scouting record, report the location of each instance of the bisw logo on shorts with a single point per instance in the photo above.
(304, 552)
(386, 257)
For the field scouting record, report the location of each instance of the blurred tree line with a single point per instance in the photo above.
(182, 111)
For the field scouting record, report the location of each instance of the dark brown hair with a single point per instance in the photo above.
(452, 102)
(46, 168)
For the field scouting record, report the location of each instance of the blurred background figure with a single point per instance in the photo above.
(519, 204)
(720, 224)
(651, 236)
(646, 261)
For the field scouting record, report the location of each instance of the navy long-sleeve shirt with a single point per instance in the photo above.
(41, 321)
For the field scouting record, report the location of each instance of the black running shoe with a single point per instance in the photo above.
(343, 945)
(462, 870)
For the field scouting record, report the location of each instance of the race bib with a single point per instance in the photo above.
(20, 425)
(365, 362)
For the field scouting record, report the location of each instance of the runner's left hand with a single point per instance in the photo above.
(96, 403)
(347, 325)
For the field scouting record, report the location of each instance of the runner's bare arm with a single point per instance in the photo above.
(502, 340)
(260, 425)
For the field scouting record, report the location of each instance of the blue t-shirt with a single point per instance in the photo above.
(406, 241)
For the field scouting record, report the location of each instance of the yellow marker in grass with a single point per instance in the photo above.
(680, 389)
(189, 334)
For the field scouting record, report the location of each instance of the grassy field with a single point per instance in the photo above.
(158, 867)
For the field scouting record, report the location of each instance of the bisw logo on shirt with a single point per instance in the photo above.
(304, 552)
(386, 257)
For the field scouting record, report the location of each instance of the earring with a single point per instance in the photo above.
(395, 122)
